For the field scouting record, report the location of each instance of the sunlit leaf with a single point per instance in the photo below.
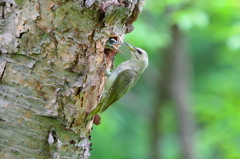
(189, 18)
(234, 42)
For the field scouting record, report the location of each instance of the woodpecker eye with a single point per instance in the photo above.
(139, 52)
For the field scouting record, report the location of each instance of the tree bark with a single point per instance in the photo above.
(52, 72)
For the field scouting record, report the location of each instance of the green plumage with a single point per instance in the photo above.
(121, 80)
(123, 83)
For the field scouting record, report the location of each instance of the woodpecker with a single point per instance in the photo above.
(121, 80)
(110, 44)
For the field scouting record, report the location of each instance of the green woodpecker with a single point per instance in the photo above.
(110, 45)
(121, 80)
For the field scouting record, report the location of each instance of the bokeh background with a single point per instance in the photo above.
(186, 104)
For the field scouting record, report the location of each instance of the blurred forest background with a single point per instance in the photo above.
(186, 104)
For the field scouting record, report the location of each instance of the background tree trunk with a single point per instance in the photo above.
(174, 86)
(179, 90)
(52, 67)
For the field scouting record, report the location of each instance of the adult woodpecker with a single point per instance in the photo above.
(111, 45)
(121, 80)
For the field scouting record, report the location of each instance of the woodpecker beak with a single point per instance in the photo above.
(130, 47)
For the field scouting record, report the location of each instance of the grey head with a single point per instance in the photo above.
(139, 56)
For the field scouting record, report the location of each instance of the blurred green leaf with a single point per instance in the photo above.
(189, 18)
(212, 30)
(233, 42)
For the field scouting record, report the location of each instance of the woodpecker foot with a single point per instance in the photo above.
(97, 119)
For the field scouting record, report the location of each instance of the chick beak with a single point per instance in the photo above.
(115, 49)
(117, 43)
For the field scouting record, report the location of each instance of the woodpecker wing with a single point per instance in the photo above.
(125, 80)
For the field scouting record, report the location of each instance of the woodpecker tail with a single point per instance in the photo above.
(94, 112)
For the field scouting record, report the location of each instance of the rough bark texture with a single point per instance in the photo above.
(52, 66)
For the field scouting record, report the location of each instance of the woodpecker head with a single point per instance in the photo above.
(138, 55)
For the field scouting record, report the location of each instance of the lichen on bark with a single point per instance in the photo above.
(52, 71)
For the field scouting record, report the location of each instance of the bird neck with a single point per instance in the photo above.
(137, 65)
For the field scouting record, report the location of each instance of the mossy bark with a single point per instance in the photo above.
(52, 72)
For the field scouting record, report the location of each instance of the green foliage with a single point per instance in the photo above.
(212, 28)
(190, 17)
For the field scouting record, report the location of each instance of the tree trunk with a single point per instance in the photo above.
(52, 72)
(179, 90)
(175, 86)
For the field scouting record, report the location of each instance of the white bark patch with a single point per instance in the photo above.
(8, 34)
(2, 67)
(89, 3)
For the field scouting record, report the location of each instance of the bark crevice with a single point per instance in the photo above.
(52, 72)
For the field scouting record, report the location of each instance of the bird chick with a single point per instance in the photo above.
(111, 44)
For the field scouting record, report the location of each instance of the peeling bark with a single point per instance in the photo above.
(52, 66)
